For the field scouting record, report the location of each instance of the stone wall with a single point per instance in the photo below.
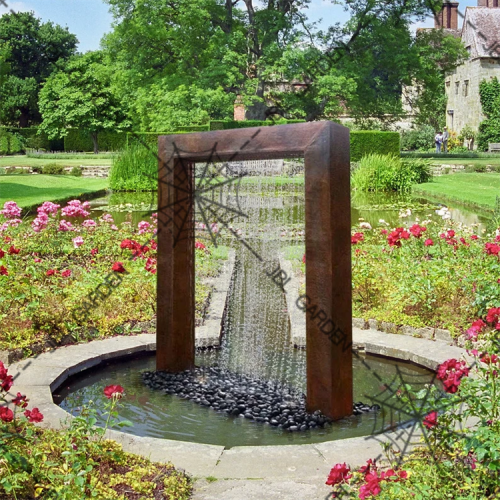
(467, 108)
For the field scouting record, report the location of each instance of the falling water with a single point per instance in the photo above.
(256, 332)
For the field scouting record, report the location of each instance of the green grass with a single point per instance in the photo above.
(475, 189)
(24, 161)
(29, 191)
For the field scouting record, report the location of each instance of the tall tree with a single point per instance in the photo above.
(36, 49)
(81, 96)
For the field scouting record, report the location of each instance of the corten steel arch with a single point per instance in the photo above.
(325, 148)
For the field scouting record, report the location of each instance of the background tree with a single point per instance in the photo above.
(81, 96)
(35, 50)
(4, 62)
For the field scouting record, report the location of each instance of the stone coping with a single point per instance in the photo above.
(38, 377)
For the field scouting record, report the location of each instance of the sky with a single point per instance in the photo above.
(89, 20)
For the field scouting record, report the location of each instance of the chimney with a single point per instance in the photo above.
(448, 17)
(239, 109)
(488, 3)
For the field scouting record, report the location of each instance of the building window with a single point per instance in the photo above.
(466, 88)
(457, 87)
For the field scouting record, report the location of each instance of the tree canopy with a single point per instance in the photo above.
(81, 96)
(183, 62)
(31, 50)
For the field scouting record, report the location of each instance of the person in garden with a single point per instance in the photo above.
(446, 136)
(439, 141)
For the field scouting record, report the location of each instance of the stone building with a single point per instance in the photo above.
(481, 36)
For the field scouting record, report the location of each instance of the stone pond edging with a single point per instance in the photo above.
(39, 376)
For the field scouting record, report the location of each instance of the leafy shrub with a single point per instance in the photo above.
(2, 171)
(366, 142)
(419, 138)
(10, 143)
(389, 173)
(37, 169)
(135, 169)
(76, 171)
(53, 169)
(480, 168)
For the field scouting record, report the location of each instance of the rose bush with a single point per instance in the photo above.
(438, 274)
(50, 265)
(459, 454)
(75, 462)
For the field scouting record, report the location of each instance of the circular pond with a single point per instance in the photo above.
(156, 414)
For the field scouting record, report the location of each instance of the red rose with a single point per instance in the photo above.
(304, 259)
(66, 273)
(199, 245)
(489, 359)
(13, 251)
(113, 391)
(3, 271)
(493, 314)
(34, 415)
(339, 473)
(51, 272)
(2, 253)
(94, 251)
(417, 230)
(20, 400)
(7, 383)
(357, 238)
(128, 244)
(473, 237)
(430, 420)
(428, 242)
(118, 268)
(6, 414)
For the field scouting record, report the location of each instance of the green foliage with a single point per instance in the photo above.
(45, 307)
(81, 96)
(76, 171)
(135, 169)
(371, 141)
(389, 173)
(232, 124)
(10, 142)
(420, 138)
(67, 463)
(489, 129)
(53, 169)
(81, 140)
(31, 50)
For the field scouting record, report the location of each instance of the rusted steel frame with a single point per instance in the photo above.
(325, 148)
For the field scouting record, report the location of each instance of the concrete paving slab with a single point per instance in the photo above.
(197, 459)
(242, 489)
(271, 461)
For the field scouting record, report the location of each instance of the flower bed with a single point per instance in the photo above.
(459, 454)
(434, 274)
(67, 278)
(76, 462)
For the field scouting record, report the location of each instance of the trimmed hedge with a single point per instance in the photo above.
(232, 124)
(38, 141)
(80, 140)
(10, 143)
(366, 142)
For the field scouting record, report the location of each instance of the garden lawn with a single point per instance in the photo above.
(24, 161)
(477, 189)
(30, 190)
